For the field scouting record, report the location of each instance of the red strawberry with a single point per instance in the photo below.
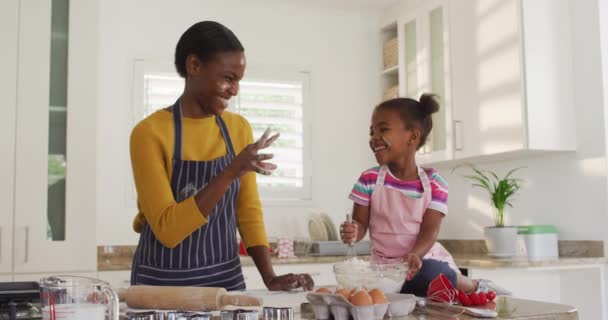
(474, 299)
(464, 299)
(491, 295)
(483, 300)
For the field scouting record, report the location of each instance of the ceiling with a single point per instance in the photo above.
(376, 4)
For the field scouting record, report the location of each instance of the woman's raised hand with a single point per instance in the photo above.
(250, 160)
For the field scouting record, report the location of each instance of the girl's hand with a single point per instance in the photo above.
(290, 282)
(348, 232)
(250, 160)
(414, 264)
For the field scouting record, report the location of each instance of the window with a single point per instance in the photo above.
(273, 100)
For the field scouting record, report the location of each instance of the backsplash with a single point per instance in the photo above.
(120, 257)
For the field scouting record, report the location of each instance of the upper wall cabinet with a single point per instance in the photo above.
(8, 99)
(502, 70)
(511, 77)
(55, 137)
(419, 44)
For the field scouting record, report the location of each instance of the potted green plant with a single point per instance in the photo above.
(501, 240)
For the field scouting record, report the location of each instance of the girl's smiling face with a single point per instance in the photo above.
(390, 140)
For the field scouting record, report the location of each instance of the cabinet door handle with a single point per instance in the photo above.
(26, 243)
(458, 135)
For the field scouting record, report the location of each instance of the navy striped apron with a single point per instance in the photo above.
(208, 256)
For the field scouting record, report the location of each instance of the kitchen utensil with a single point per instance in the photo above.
(239, 314)
(457, 310)
(183, 298)
(350, 253)
(439, 311)
(166, 315)
(74, 298)
(400, 304)
(441, 290)
(301, 246)
(388, 277)
(271, 313)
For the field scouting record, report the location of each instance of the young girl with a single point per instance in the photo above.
(403, 204)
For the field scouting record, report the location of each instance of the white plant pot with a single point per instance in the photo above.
(501, 241)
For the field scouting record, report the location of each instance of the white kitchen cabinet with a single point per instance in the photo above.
(502, 69)
(423, 67)
(44, 76)
(8, 99)
(511, 77)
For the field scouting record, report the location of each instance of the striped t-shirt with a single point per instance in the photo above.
(363, 189)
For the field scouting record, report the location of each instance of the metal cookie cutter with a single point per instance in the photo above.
(141, 315)
(189, 316)
(166, 315)
(278, 313)
(239, 314)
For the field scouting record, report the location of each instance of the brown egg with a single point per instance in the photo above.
(378, 296)
(343, 292)
(357, 289)
(323, 290)
(361, 298)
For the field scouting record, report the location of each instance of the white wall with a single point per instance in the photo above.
(337, 44)
(567, 190)
(341, 49)
(603, 21)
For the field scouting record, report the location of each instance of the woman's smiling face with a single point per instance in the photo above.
(216, 80)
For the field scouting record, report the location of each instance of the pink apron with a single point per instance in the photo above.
(395, 221)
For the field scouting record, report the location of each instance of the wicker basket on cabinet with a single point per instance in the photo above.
(390, 53)
(391, 93)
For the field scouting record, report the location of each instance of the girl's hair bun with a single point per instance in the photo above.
(428, 103)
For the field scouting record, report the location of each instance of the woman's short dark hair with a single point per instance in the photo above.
(204, 39)
(414, 114)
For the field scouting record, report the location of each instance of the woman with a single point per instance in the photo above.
(193, 167)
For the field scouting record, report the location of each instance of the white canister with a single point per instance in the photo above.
(541, 241)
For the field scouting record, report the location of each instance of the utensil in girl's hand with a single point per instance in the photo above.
(350, 252)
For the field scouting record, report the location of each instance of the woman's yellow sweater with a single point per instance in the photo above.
(151, 158)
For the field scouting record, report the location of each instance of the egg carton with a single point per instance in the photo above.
(326, 304)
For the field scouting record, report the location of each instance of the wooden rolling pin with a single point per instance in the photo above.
(183, 298)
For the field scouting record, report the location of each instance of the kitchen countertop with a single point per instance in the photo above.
(467, 254)
(507, 307)
(463, 261)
